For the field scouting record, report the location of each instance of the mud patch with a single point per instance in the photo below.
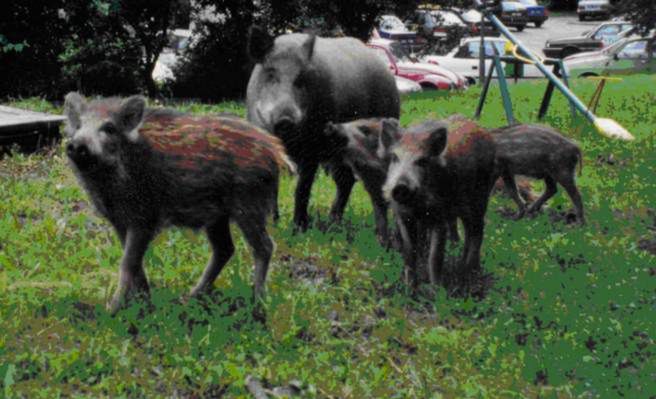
(308, 272)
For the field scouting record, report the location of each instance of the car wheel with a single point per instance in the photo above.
(581, 18)
(567, 51)
(538, 24)
(520, 28)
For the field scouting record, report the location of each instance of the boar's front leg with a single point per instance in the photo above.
(132, 279)
(344, 179)
(302, 195)
(218, 234)
(437, 251)
(511, 189)
(409, 248)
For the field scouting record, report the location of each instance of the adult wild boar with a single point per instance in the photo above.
(301, 82)
(439, 171)
(145, 169)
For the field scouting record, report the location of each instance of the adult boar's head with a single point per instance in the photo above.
(284, 87)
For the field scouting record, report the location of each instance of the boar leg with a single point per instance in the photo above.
(344, 179)
(471, 254)
(218, 234)
(131, 277)
(254, 228)
(408, 232)
(436, 254)
(380, 213)
(453, 229)
(302, 195)
(548, 193)
(566, 179)
(511, 189)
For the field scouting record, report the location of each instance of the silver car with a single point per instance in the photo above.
(623, 57)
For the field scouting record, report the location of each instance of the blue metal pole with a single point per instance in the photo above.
(553, 78)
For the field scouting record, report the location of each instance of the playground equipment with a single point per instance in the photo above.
(605, 126)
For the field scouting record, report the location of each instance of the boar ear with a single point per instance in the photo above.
(437, 140)
(74, 105)
(130, 115)
(308, 46)
(259, 43)
(389, 133)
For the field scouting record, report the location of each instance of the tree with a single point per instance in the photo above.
(641, 12)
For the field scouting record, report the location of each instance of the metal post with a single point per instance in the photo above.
(481, 52)
(505, 95)
(481, 100)
(564, 89)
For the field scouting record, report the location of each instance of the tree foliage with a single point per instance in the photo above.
(640, 12)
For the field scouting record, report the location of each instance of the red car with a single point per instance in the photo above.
(427, 75)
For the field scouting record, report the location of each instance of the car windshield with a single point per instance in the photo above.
(614, 47)
(511, 6)
(392, 23)
(529, 2)
(471, 16)
(399, 53)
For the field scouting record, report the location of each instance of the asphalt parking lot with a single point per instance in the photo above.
(555, 27)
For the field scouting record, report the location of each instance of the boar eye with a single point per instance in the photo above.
(422, 162)
(270, 74)
(109, 128)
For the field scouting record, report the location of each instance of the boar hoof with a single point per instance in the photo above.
(301, 225)
(520, 214)
(122, 296)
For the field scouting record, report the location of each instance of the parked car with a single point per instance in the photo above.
(433, 22)
(513, 14)
(473, 19)
(623, 57)
(391, 27)
(406, 86)
(427, 75)
(593, 8)
(464, 59)
(596, 39)
(536, 13)
(179, 41)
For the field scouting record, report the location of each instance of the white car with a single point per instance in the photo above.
(464, 59)
(406, 86)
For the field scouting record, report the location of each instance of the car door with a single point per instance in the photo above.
(630, 58)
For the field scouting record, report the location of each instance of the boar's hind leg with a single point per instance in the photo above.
(566, 179)
(131, 277)
(302, 195)
(548, 193)
(218, 234)
(254, 228)
(344, 179)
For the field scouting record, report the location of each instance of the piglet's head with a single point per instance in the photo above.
(99, 130)
(413, 156)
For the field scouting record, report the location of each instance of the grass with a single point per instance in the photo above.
(570, 312)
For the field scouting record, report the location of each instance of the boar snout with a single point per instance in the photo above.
(79, 153)
(402, 194)
(284, 125)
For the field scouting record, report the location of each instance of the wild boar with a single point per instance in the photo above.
(439, 171)
(299, 83)
(146, 169)
(540, 152)
(356, 143)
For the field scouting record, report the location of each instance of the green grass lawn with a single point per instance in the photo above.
(571, 311)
